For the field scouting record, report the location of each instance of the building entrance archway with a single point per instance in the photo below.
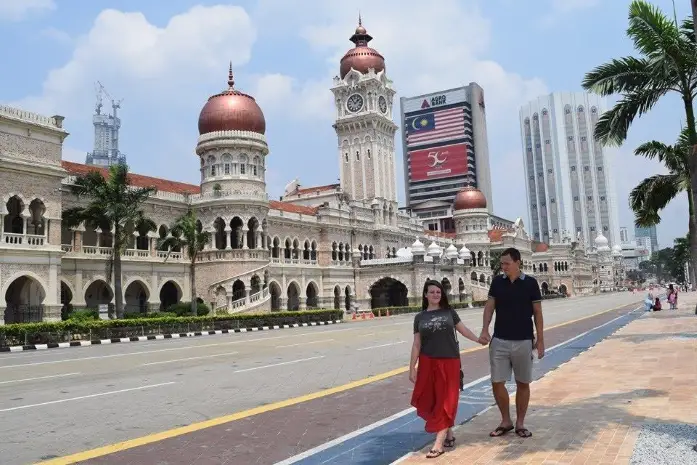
(388, 292)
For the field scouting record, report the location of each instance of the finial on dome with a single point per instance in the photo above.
(360, 20)
(230, 80)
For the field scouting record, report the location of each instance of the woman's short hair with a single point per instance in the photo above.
(443, 295)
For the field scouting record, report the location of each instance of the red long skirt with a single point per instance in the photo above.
(437, 392)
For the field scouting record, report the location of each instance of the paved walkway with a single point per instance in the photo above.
(591, 409)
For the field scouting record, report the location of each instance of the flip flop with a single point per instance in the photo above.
(500, 431)
(433, 453)
(523, 432)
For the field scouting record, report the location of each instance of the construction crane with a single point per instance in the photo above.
(101, 90)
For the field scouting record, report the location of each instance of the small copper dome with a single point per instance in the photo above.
(468, 198)
(361, 58)
(231, 110)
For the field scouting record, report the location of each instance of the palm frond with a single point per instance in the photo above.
(72, 217)
(613, 125)
(652, 195)
(626, 74)
(653, 33)
(653, 149)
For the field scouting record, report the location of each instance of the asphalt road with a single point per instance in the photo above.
(63, 401)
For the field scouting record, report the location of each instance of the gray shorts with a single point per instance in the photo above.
(510, 356)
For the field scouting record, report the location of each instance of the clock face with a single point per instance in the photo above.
(382, 104)
(354, 103)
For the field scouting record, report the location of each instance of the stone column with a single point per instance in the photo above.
(245, 230)
(98, 232)
(260, 245)
(153, 243)
(228, 236)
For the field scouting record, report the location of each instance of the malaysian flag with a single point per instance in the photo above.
(441, 125)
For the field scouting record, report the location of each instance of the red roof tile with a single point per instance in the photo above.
(138, 180)
(495, 235)
(315, 189)
(292, 208)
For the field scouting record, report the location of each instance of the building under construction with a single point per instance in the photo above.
(106, 132)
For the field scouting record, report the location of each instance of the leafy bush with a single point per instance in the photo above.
(83, 314)
(74, 330)
(417, 308)
(184, 309)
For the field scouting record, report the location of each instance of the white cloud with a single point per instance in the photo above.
(560, 9)
(57, 35)
(127, 51)
(445, 48)
(18, 10)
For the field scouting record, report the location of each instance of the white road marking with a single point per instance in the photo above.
(279, 364)
(101, 394)
(187, 358)
(377, 424)
(37, 378)
(304, 343)
(382, 345)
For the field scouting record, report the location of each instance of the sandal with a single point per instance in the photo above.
(449, 443)
(523, 432)
(433, 453)
(500, 431)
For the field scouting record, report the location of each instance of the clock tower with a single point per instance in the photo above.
(364, 99)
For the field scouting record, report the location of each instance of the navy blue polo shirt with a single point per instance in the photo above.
(514, 301)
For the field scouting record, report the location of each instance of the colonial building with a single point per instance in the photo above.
(343, 246)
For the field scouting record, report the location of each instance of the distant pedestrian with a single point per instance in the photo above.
(437, 377)
(673, 297)
(516, 299)
(656, 307)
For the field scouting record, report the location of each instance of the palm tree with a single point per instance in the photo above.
(667, 63)
(113, 205)
(653, 194)
(187, 234)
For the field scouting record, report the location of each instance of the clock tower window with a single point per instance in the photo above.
(358, 156)
(368, 154)
(346, 157)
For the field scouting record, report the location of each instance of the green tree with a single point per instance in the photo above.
(187, 234)
(667, 64)
(654, 193)
(113, 205)
(495, 262)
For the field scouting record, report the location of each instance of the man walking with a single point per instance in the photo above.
(516, 299)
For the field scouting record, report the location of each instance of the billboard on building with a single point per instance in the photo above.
(439, 162)
(434, 100)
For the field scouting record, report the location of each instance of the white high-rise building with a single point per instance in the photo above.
(567, 172)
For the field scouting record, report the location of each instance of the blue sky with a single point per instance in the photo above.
(165, 58)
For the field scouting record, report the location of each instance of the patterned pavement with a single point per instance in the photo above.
(590, 410)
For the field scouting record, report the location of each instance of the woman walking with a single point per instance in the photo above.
(672, 297)
(437, 377)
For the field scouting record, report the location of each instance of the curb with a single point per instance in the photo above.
(158, 337)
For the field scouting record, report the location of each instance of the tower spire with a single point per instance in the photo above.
(360, 20)
(230, 79)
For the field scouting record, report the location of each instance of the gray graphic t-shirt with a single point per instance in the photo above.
(437, 330)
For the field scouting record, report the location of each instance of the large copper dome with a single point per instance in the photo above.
(231, 110)
(361, 58)
(468, 198)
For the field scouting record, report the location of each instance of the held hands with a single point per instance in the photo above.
(484, 338)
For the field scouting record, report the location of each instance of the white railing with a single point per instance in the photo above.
(66, 247)
(24, 115)
(137, 253)
(340, 263)
(293, 261)
(33, 240)
(229, 195)
(92, 250)
(386, 261)
(238, 303)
